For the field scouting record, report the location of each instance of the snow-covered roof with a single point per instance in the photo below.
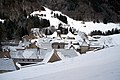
(47, 10)
(35, 12)
(78, 38)
(91, 38)
(46, 45)
(62, 53)
(7, 64)
(43, 53)
(27, 53)
(63, 35)
(76, 46)
(33, 40)
(54, 35)
(48, 56)
(58, 40)
(70, 35)
(21, 52)
(84, 44)
(67, 53)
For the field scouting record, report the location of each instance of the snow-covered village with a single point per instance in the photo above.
(67, 49)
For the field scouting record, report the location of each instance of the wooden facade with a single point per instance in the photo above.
(54, 58)
(84, 49)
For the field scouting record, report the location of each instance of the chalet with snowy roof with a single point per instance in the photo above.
(43, 55)
(59, 42)
(27, 56)
(54, 55)
(32, 53)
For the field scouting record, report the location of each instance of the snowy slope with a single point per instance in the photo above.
(47, 14)
(87, 27)
(90, 26)
(111, 40)
(99, 65)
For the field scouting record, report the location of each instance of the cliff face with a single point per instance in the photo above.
(78, 9)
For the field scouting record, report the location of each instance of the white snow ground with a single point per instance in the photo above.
(95, 65)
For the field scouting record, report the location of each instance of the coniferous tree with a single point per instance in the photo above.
(46, 32)
(70, 29)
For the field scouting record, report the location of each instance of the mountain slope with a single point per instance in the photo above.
(15, 12)
(86, 10)
(68, 22)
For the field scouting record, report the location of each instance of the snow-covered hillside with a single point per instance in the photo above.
(90, 26)
(111, 40)
(107, 41)
(87, 27)
(94, 65)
